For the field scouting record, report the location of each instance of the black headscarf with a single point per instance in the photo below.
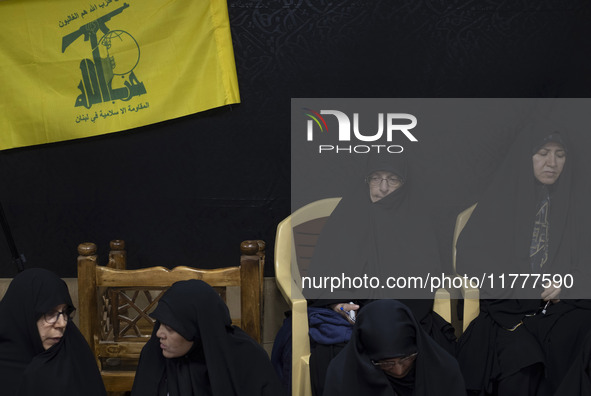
(389, 237)
(387, 329)
(26, 368)
(223, 361)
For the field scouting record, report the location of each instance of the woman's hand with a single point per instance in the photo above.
(344, 308)
(552, 294)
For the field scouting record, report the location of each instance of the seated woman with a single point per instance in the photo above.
(42, 352)
(195, 350)
(391, 355)
(524, 339)
(380, 229)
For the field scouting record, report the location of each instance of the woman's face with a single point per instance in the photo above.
(398, 367)
(548, 162)
(172, 343)
(382, 183)
(52, 333)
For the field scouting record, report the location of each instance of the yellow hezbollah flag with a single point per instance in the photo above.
(72, 69)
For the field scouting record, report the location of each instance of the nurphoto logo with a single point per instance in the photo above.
(388, 125)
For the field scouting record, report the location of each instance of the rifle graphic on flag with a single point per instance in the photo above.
(97, 77)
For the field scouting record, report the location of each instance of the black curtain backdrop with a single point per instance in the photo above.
(188, 191)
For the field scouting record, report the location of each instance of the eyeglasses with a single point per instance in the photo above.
(386, 364)
(52, 317)
(376, 181)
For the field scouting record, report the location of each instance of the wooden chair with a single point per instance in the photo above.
(114, 303)
(294, 246)
(471, 295)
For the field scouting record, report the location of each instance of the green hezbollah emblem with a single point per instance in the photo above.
(96, 85)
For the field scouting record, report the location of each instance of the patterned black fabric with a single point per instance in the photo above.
(540, 240)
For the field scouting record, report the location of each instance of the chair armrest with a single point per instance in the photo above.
(442, 304)
(471, 305)
(301, 385)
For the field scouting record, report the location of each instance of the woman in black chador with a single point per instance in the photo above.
(524, 339)
(381, 229)
(195, 350)
(391, 355)
(42, 352)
